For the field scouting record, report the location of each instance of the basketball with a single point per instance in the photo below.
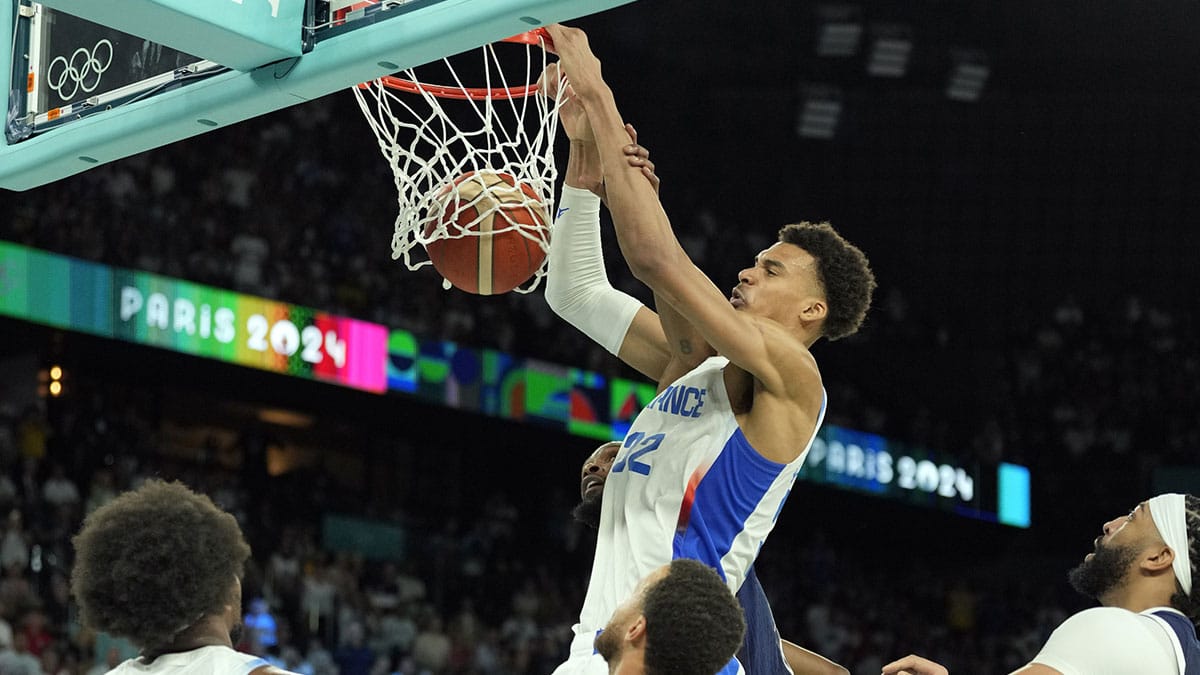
(494, 226)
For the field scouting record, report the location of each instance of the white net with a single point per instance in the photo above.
(434, 135)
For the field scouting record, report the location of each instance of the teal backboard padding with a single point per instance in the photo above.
(419, 35)
(241, 34)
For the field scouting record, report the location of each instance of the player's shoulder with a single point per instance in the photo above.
(1107, 639)
(785, 347)
(1102, 616)
(798, 377)
(1097, 622)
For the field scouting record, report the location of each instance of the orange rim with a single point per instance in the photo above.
(537, 36)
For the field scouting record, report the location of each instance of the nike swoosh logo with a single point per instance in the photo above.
(562, 211)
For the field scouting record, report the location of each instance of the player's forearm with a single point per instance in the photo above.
(643, 231)
(805, 662)
(583, 167)
(577, 286)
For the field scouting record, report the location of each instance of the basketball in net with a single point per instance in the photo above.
(473, 161)
(493, 229)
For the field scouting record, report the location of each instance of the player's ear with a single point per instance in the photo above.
(1157, 558)
(813, 309)
(636, 633)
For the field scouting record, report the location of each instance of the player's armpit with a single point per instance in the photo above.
(645, 345)
(805, 662)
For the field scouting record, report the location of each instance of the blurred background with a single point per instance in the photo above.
(1023, 176)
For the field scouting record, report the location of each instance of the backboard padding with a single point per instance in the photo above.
(418, 33)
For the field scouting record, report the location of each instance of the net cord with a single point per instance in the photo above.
(428, 150)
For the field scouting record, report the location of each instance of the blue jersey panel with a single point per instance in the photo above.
(761, 653)
(1185, 631)
(732, 489)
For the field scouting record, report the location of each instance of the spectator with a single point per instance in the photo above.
(260, 626)
(431, 648)
(58, 490)
(397, 631)
(353, 657)
(8, 493)
(14, 546)
(293, 661)
(318, 600)
(56, 662)
(17, 660)
(37, 634)
(16, 593)
(102, 490)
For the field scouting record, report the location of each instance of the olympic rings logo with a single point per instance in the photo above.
(77, 72)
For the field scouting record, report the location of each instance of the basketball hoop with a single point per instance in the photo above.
(433, 134)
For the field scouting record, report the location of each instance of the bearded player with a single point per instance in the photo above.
(1143, 572)
(707, 465)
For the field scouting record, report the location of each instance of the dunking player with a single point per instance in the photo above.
(762, 652)
(162, 566)
(707, 465)
(1143, 573)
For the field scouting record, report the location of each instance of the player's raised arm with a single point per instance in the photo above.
(577, 286)
(685, 344)
(655, 255)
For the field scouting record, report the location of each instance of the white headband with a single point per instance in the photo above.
(1169, 513)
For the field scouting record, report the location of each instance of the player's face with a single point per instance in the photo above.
(612, 641)
(591, 483)
(1116, 550)
(1131, 528)
(781, 280)
(595, 470)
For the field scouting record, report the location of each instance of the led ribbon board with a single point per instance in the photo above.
(191, 318)
(503, 385)
(869, 463)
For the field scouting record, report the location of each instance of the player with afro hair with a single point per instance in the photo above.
(162, 565)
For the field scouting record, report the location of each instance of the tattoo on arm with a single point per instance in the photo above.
(685, 346)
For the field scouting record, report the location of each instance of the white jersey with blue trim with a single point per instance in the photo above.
(203, 661)
(685, 484)
(1117, 641)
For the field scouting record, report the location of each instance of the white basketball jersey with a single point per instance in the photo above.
(203, 661)
(685, 484)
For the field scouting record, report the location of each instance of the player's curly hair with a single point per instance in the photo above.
(155, 560)
(694, 625)
(844, 273)
(1189, 604)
